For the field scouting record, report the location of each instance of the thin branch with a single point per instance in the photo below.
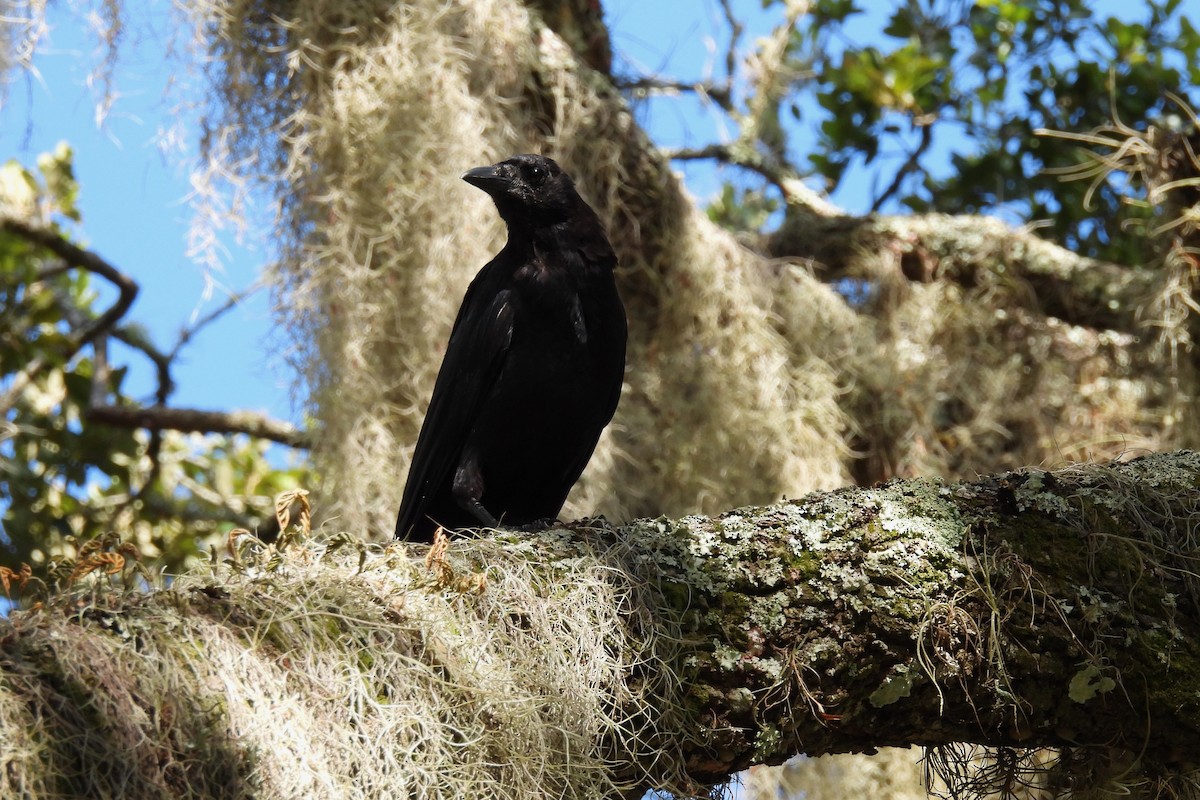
(729, 154)
(187, 334)
(717, 152)
(95, 331)
(191, 420)
(719, 93)
(127, 335)
(795, 192)
(52, 271)
(907, 168)
(752, 151)
(83, 259)
(736, 28)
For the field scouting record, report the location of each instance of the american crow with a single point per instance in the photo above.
(533, 369)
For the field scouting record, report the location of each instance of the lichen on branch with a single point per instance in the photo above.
(1022, 610)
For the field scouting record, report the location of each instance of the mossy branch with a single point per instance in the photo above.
(1023, 610)
(963, 249)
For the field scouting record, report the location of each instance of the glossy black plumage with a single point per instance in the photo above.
(533, 369)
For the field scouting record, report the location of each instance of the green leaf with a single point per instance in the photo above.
(58, 170)
(901, 25)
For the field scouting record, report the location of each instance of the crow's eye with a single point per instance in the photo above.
(537, 176)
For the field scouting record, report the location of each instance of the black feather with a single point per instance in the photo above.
(533, 369)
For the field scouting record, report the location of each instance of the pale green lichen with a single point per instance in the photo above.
(897, 685)
(705, 542)
(1034, 494)
(767, 612)
(725, 656)
(923, 509)
(766, 742)
(819, 524)
(909, 557)
(771, 667)
(1089, 682)
(740, 699)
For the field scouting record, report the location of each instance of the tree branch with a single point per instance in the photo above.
(910, 165)
(1022, 610)
(962, 248)
(736, 29)
(156, 418)
(83, 259)
(781, 176)
(187, 334)
(918, 613)
(647, 85)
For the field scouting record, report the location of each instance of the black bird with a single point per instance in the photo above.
(533, 370)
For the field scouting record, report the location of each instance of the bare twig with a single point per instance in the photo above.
(758, 148)
(795, 192)
(187, 334)
(127, 335)
(735, 156)
(736, 28)
(718, 152)
(96, 332)
(719, 93)
(907, 168)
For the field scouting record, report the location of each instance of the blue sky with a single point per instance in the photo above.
(134, 197)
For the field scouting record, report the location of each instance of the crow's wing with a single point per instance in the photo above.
(475, 355)
(600, 327)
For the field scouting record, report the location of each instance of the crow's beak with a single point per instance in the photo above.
(490, 179)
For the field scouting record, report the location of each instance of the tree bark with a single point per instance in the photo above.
(1031, 609)
(158, 418)
(1028, 609)
(962, 249)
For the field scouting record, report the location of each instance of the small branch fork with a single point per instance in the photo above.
(96, 332)
(72, 256)
(746, 152)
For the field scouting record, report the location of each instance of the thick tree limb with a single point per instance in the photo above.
(960, 248)
(1074, 288)
(1029, 609)
(1033, 609)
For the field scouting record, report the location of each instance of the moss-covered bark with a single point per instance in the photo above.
(1027, 609)
(1032, 609)
(964, 250)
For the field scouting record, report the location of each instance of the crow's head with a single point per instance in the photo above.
(529, 190)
